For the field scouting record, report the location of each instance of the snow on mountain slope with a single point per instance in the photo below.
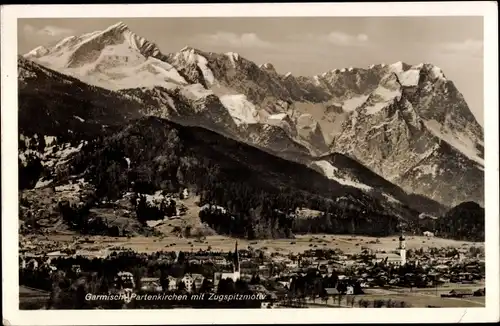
(397, 129)
(409, 78)
(447, 175)
(149, 73)
(407, 75)
(114, 58)
(459, 140)
(191, 56)
(380, 98)
(282, 120)
(195, 92)
(37, 52)
(388, 117)
(240, 108)
(52, 153)
(348, 171)
(333, 173)
(233, 57)
(51, 103)
(352, 103)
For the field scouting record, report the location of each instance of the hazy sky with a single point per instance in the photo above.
(305, 46)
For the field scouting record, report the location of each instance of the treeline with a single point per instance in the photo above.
(463, 222)
(266, 222)
(79, 217)
(145, 211)
(259, 190)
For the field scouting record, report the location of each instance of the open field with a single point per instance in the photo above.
(346, 243)
(419, 300)
(172, 239)
(423, 297)
(416, 301)
(30, 298)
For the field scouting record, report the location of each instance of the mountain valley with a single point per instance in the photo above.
(370, 148)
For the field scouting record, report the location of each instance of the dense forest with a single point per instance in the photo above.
(463, 222)
(258, 191)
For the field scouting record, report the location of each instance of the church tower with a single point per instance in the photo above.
(236, 263)
(402, 249)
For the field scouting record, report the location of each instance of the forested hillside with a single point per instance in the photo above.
(258, 191)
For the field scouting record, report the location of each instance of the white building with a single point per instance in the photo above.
(393, 258)
(172, 283)
(388, 258)
(188, 281)
(192, 282)
(125, 280)
(428, 234)
(151, 284)
(402, 249)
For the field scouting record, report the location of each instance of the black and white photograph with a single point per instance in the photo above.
(250, 162)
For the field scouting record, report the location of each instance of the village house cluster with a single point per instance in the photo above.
(273, 274)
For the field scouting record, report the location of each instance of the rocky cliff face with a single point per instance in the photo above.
(408, 123)
(416, 130)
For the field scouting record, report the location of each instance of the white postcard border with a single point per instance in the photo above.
(13, 316)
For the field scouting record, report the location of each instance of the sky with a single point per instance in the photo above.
(305, 46)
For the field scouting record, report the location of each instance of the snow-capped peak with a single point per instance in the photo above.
(119, 27)
(234, 57)
(399, 66)
(36, 52)
(89, 50)
(433, 71)
(436, 72)
(114, 58)
(317, 80)
(240, 109)
(378, 65)
(186, 48)
(194, 57)
(267, 65)
(191, 49)
(65, 41)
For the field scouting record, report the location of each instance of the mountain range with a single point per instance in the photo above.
(400, 133)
